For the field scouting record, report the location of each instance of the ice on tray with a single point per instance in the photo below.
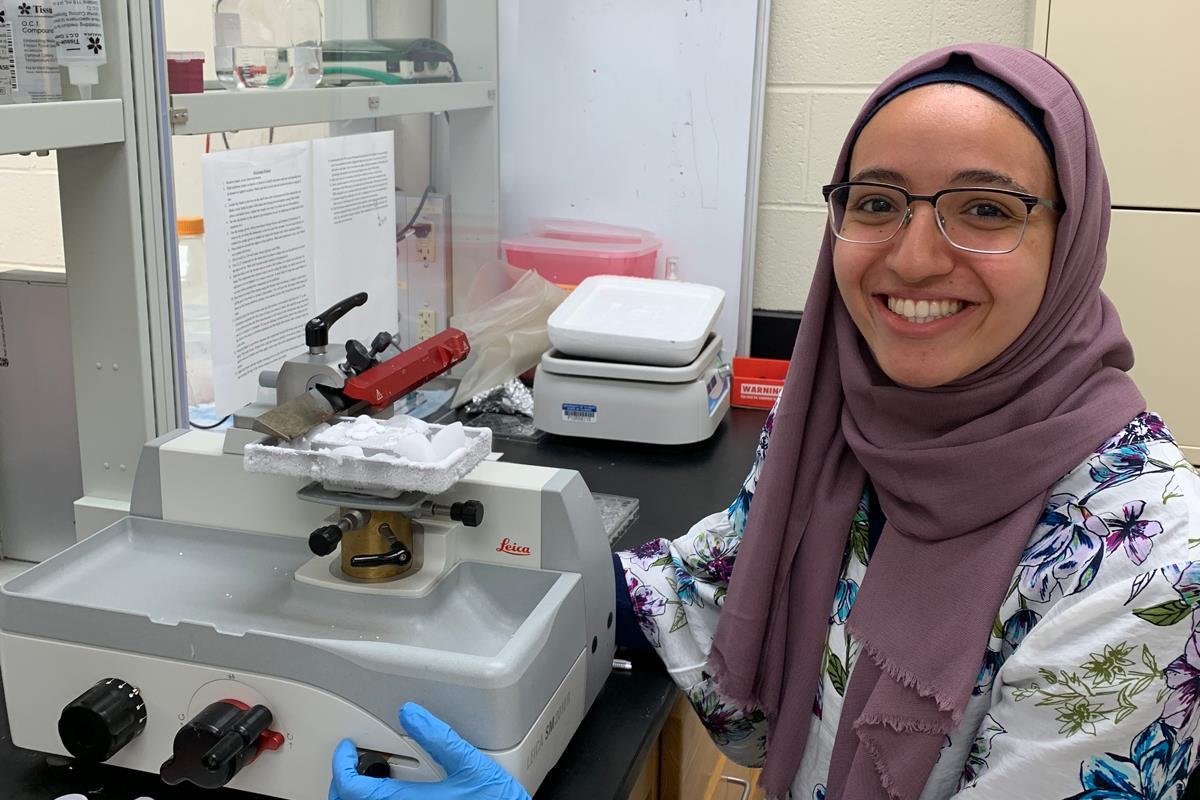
(381, 457)
(399, 437)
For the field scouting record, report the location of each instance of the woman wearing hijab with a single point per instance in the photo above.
(964, 570)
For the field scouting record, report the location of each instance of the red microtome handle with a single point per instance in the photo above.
(416, 366)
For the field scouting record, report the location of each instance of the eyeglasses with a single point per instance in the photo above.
(976, 220)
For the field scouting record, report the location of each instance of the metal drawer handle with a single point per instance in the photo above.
(745, 784)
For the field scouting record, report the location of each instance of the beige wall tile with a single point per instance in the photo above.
(824, 58)
(789, 239)
(832, 116)
(980, 21)
(846, 41)
(785, 147)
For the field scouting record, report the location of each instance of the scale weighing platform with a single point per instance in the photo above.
(634, 360)
(632, 402)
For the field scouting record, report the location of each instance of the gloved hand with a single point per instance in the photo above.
(469, 773)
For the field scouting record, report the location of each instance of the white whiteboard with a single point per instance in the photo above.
(633, 112)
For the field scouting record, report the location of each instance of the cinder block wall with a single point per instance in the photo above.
(30, 228)
(824, 58)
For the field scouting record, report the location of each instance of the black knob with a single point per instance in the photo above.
(243, 736)
(373, 765)
(324, 541)
(102, 720)
(380, 343)
(215, 746)
(357, 358)
(469, 513)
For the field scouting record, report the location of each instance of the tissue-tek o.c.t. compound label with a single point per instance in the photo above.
(576, 412)
(8, 74)
(35, 77)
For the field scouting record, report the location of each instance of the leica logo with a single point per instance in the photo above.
(512, 548)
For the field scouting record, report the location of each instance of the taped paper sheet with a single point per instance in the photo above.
(257, 213)
(290, 229)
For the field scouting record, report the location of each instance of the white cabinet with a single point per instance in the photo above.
(1134, 64)
(1154, 280)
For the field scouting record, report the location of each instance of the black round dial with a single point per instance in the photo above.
(102, 720)
(470, 513)
(373, 765)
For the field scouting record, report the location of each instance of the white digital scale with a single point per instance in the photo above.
(634, 360)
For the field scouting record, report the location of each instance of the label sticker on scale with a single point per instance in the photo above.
(716, 388)
(575, 412)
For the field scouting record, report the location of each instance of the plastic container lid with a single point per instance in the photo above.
(185, 55)
(578, 230)
(572, 237)
(636, 320)
(563, 247)
(190, 226)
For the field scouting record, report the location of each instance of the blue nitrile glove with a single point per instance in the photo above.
(469, 773)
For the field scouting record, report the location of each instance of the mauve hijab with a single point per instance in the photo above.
(962, 472)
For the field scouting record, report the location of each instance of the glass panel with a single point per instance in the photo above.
(390, 44)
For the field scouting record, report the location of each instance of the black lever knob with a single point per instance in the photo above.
(357, 357)
(324, 541)
(469, 513)
(218, 743)
(316, 332)
(245, 733)
(397, 556)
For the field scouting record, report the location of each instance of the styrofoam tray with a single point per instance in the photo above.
(386, 477)
(636, 320)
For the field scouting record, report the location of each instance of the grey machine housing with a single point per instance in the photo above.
(486, 649)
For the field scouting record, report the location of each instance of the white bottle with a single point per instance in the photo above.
(79, 42)
(267, 44)
(35, 77)
(5, 61)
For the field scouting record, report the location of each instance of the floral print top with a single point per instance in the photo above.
(1089, 688)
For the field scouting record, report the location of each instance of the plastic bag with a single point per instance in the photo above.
(508, 331)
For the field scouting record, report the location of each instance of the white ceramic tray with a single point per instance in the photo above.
(636, 320)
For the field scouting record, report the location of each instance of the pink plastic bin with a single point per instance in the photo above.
(565, 251)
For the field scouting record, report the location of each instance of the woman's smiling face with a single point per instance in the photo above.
(975, 305)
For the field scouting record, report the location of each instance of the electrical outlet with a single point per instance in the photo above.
(426, 323)
(422, 265)
(427, 248)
